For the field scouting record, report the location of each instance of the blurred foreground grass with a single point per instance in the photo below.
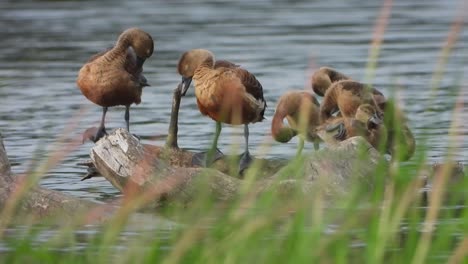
(388, 224)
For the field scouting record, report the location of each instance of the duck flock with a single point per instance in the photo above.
(232, 95)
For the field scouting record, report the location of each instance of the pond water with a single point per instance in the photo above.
(44, 43)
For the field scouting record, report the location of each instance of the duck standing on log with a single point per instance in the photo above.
(228, 94)
(301, 110)
(114, 77)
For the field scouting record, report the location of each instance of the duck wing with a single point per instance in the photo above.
(253, 88)
(251, 84)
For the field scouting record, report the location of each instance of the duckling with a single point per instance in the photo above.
(346, 96)
(301, 109)
(324, 77)
(114, 77)
(367, 123)
(230, 95)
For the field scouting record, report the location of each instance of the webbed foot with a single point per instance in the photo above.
(244, 162)
(201, 159)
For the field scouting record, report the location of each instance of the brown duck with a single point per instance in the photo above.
(346, 96)
(114, 77)
(226, 93)
(367, 123)
(301, 110)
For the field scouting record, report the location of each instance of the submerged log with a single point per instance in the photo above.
(19, 195)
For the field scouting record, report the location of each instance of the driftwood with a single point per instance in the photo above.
(167, 172)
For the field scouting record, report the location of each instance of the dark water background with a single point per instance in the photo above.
(44, 43)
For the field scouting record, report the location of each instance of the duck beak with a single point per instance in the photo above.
(186, 81)
(375, 119)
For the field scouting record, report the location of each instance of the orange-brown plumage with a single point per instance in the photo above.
(367, 122)
(114, 77)
(346, 96)
(229, 95)
(225, 92)
(300, 108)
(324, 77)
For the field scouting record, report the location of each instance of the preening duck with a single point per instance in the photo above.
(346, 96)
(367, 122)
(114, 77)
(301, 110)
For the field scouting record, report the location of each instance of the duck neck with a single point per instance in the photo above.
(119, 50)
(204, 68)
(171, 140)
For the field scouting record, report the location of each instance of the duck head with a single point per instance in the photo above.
(189, 62)
(141, 42)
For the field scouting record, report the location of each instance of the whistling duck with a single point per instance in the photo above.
(301, 109)
(324, 77)
(346, 96)
(367, 123)
(171, 140)
(228, 94)
(114, 77)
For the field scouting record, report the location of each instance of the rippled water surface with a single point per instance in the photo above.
(43, 44)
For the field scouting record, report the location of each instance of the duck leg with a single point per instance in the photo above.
(212, 155)
(127, 120)
(245, 159)
(101, 131)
